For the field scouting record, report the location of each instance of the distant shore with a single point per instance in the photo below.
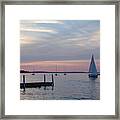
(23, 71)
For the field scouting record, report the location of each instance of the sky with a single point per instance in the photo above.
(67, 44)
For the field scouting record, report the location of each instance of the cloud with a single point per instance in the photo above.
(26, 40)
(66, 65)
(38, 30)
(95, 36)
(89, 41)
(48, 21)
(60, 40)
(41, 21)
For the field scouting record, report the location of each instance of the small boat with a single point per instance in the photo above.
(65, 70)
(55, 74)
(33, 70)
(92, 69)
(64, 73)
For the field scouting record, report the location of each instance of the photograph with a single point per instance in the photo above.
(59, 59)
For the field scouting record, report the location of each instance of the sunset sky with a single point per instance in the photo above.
(67, 44)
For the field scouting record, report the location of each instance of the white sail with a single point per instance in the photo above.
(92, 68)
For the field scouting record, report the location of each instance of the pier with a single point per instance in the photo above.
(37, 84)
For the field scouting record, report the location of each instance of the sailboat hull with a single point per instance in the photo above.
(93, 75)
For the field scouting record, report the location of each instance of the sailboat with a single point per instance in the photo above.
(33, 70)
(92, 69)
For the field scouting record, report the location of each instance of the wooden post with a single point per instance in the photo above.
(52, 87)
(44, 82)
(44, 78)
(24, 82)
(52, 80)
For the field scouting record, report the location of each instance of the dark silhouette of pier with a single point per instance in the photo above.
(25, 85)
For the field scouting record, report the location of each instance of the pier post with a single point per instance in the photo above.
(24, 82)
(44, 82)
(52, 80)
(44, 78)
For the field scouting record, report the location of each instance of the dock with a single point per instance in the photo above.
(35, 84)
(45, 83)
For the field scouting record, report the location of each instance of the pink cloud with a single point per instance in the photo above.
(70, 65)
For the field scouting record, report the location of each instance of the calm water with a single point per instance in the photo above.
(73, 86)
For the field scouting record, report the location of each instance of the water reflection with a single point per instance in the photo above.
(93, 88)
(66, 87)
(92, 78)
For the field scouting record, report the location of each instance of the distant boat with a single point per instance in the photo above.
(65, 70)
(65, 74)
(92, 69)
(55, 74)
(33, 70)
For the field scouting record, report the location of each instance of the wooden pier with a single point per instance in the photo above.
(36, 84)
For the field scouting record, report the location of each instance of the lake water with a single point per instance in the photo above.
(72, 86)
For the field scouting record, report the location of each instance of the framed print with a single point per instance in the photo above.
(59, 59)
